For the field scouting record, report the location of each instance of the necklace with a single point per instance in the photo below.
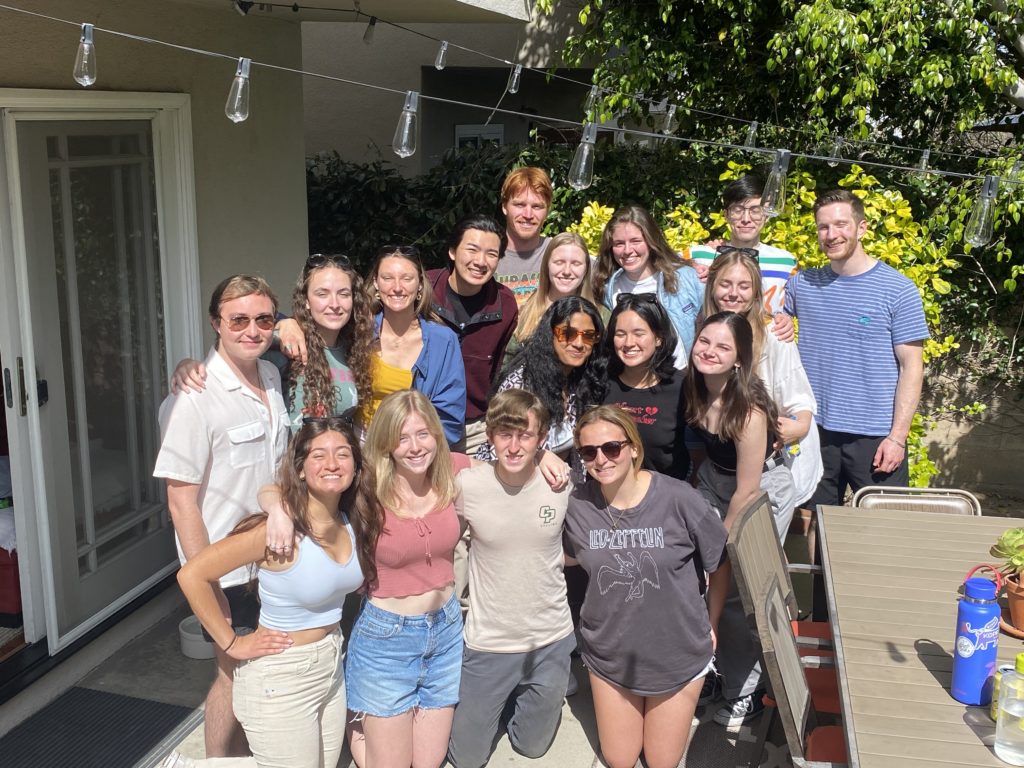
(396, 340)
(630, 504)
(614, 523)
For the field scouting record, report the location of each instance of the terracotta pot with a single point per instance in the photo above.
(1015, 601)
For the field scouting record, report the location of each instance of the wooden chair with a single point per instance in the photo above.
(948, 501)
(811, 745)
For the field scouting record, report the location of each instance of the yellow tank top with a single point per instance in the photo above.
(384, 380)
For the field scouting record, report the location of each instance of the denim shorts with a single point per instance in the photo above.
(396, 663)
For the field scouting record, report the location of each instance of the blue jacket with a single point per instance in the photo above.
(682, 307)
(440, 375)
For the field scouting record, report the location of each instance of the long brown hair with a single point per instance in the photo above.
(663, 258)
(535, 306)
(744, 391)
(424, 295)
(355, 340)
(754, 314)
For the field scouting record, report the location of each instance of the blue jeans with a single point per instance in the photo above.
(396, 663)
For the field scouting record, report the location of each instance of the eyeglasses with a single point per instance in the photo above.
(736, 211)
(611, 450)
(648, 298)
(566, 334)
(317, 260)
(241, 322)
(724, 249)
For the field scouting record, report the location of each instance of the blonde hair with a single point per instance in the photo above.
(614, 415)
(536, 305)
(382, 439)
(237, 286)
(754, 314)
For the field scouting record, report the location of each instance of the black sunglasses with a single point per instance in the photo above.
(408, 251)
(724, 249)
(611, 450)
(317, 260)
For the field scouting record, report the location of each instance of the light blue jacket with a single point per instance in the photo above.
(440, 375)
(682, 307)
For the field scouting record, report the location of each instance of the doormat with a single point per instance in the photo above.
(83, 728)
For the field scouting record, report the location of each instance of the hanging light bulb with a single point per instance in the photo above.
(922, 164)
(368, 34)
(836, 151)
(670, 124)
(513, 78)
(1015, 171)
(581, 172)
(85, 59)
(978, 231)
(404, 142)
(751, 141)
(773, 201)
(237, 106)
(442, 53)
(591, 101)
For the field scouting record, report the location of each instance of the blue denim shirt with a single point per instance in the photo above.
(682, 307)
(440, 375)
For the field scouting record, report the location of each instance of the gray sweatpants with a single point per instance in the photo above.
(521, 693)
(738, 657)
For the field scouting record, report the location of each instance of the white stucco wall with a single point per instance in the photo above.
(250, 178)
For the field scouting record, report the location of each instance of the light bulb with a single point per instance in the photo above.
(836, 151)
(922, 164)
(368, 34)
(404, 142)
(85, 59)
(237, 106)
(1015, 171)
(591, 102)
(581, 172)
(513, 78)
(751, 136)
(670, 124)
(442, 53)
(978, 231)
(773, 201)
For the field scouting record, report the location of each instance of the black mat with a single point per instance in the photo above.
(84, 728)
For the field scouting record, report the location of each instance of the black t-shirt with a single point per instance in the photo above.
(659, 413)
(464, 307)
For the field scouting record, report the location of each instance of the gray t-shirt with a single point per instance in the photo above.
(644, 622)
(519, 272)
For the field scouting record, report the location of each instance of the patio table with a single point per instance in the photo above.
(891, 579)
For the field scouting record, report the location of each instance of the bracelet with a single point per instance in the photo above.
(233, 639)
(894, 440)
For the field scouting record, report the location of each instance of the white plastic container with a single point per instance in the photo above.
(193, 644)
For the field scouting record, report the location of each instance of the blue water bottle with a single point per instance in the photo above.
(977, 637)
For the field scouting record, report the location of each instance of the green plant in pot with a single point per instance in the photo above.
(1009, 548)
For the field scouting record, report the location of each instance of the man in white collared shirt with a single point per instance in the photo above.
(219, 446)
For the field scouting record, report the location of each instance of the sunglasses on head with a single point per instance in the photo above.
(724, 249)
(611, 450)
(636, 298)
(408, 251)
(241, 322)
(566, 334)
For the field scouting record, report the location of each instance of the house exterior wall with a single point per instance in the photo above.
(250, 177)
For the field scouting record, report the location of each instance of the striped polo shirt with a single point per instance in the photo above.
(849, 326)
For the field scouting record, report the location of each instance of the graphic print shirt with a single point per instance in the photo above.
(644, 623)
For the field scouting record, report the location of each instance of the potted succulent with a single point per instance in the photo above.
(1010, 549)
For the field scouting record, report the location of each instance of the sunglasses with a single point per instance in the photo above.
(636, 298)
(408, 251)
(566, 334)
(724, 249)
(241, 322)
(317, 260)
(611, 450)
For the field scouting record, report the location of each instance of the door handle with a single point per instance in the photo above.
(22, 392)
(8, 389)
(42, 392)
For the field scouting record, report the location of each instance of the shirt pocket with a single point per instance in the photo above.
(248, 442)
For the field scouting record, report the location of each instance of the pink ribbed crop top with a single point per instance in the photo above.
(415, 555)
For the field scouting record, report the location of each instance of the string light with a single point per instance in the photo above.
(85, 59)
(404, 142)
(370, 27)
(591, 102)
(981, 222)
(237, 106)
(836, 153)
(773, 200)
(923, 162)
(751, 141)
(513, 78)
(442, 53)
(581, 172)
(670, 124)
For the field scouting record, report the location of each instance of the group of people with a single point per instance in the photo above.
(529, 448)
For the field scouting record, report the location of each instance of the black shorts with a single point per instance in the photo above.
(245, 609)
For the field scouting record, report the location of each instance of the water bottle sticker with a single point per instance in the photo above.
(984, 637)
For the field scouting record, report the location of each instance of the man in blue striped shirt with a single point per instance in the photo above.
(862, 332)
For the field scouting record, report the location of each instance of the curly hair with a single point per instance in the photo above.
(663, 258)
(744, 391)
(543, 374)
(649, 309)
(354, 340)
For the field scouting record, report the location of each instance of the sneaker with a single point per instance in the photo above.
(740, 710)
(573, 686)
(712, 688)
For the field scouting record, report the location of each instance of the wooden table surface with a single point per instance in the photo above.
(891, 579)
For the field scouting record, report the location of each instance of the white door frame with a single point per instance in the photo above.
(170, 116)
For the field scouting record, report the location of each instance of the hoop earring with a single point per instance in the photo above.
(376, 294)
(419, 294)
